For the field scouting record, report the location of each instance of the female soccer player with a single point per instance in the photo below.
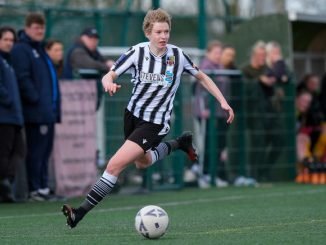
(156, 70)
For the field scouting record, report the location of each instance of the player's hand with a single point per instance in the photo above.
(108, 84)
(112, 88)
(225, 106)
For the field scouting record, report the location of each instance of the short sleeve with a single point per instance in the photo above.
(189, 66)
(125, 61)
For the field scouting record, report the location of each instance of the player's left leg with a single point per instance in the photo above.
(127, 154)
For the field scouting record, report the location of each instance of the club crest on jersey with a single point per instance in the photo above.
(170, 61)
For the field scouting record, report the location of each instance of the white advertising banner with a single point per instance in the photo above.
(74, 152)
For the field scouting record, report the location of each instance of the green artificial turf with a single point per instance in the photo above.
(278, 214)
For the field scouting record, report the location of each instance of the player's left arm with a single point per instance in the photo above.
(211, 87)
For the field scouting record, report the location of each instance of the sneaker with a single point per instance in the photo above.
(185, 144)
(72, 215)
(244, 181)
(221, 183)
(240, 181)
(37, 196)
(203, 183)
(189, 176)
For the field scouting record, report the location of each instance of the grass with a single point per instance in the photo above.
(278, 214)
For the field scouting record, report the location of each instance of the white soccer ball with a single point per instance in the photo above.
(151, 222)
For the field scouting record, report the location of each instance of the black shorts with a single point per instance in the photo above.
(143, 133)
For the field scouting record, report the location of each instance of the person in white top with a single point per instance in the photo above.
(156, 68)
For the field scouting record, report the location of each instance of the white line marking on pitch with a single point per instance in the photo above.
(180, 203)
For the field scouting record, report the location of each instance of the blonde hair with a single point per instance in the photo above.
(272, 44)
(157, 15)
(258, 45)
(269, 47)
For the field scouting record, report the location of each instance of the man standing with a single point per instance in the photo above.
(41, 101)
(85, 55)
(263, 122)
(11, 117)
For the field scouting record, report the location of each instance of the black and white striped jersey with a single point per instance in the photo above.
(155, 80)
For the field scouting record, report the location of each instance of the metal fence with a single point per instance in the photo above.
(258, 142)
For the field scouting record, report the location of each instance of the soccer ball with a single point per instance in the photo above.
(151, 222)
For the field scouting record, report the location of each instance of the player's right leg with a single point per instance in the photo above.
(127, 154)
(163, 149)
(159, 152)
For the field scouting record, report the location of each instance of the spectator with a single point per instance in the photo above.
(322, 96)
(228, 57)
(311, 83)
(321, 145)
(263, 122)
(40, 95)
(277, 68)
(228, 62)
(275, 62)
(302, 105)
(54, 49)
(11, 117)
(85, 55)
(305, 153)
(211, 62)
(314, 128)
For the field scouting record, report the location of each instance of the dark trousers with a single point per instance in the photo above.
(221, 134)
(265, 147)
(39, 139)
(12, 147)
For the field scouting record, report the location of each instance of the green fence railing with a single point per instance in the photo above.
(246, 156)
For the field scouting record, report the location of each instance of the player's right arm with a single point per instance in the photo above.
(108, 83)
(125, 61)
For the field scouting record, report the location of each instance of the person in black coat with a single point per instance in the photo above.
(11, 116)
(41, 101)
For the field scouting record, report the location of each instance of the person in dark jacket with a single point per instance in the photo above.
(263, 122)
(40, 99)
(85, 55)
(83, 60)
(11, 116)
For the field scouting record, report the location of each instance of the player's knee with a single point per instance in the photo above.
(113, 169)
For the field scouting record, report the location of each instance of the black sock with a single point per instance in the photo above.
(101, 189)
